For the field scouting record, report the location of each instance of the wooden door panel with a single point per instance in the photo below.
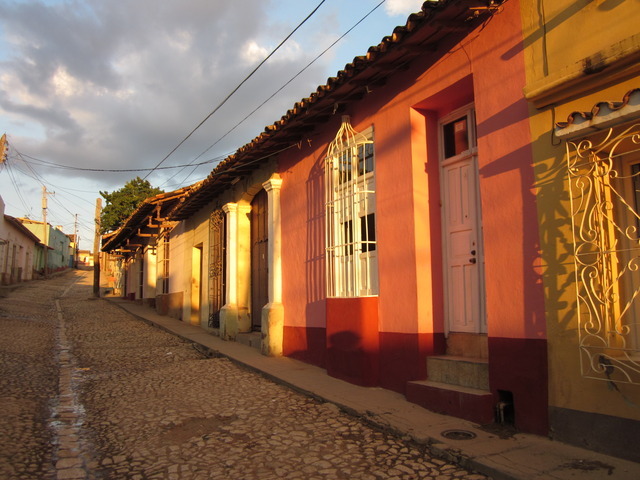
(259, 257)
(462, 267)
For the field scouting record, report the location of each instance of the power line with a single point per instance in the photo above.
(294, 77)
(35, 176)
(16, 188)
(272, 95)
(279, 90)
(115, 170)
(235, 89)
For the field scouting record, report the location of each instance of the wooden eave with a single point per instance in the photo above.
(140, 226)
(428, 34)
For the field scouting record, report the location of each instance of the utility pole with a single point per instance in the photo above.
(75, 242)
(4, 148)
(45, 228)
(96, 251)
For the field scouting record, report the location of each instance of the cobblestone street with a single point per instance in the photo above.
(91, 392)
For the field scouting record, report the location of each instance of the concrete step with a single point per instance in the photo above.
(251, 339)
(457, 370)
(468, 345)
(472, 404)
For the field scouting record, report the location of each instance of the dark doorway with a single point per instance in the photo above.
(217, 266)
(141, 278)
(259, 258)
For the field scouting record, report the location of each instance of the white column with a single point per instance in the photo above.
(273, 312)
(231, 211)
(272, 187)
(229, 311)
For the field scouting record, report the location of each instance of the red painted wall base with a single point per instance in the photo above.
(306, 344)
(519, 366)
(353, 343)
(470, 406)
(403, 357)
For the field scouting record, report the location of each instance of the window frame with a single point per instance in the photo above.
(351, 240)
(606, 251)
(165, 248)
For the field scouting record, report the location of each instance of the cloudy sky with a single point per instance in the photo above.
(102, 85)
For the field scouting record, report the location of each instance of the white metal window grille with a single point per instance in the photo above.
(604, 187)
(352, 265)
(165, 263)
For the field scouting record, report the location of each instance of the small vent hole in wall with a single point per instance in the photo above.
(505, 410)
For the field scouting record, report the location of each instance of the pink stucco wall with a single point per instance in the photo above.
(489, 71)
(486, 69)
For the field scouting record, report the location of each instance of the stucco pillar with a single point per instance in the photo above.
(243, 241)
(273, 312)
(229, 312)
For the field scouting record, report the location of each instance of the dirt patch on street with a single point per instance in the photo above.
(193, 427)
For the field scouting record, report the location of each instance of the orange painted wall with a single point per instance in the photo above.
(487, 69)
(515, 302)
(302, 203)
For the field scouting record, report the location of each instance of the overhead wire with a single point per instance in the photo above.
(255, 160)
(235, 89)
(116, 170)
(320, 55)
(16, 188)
(218, 159)
(35, 176)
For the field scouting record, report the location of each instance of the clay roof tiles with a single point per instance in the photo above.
(450, 13)
(600, 109)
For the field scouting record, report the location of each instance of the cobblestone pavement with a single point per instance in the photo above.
(94, 393)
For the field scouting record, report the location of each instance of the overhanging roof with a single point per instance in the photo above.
(432, 31)
(139, 219)
(21, 228)
(602, 115)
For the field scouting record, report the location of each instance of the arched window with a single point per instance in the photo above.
(352, 265)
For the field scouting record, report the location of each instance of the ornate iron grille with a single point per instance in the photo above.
(216, 267)
(352, 268)
(604, 187)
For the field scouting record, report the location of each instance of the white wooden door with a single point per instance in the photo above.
(462, 246)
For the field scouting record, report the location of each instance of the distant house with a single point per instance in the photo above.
(138, 254)
(19, 249)
(73, 250)
(58, 253)
(85, 258)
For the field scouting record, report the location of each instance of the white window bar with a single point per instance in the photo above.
(350, 215)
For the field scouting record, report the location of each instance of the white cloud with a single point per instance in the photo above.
(253, 53)
(402, 7)
(65, 85)
(117, 84)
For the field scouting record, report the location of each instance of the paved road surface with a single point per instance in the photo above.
(90, 392)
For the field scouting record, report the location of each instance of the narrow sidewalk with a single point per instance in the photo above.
(520, 456)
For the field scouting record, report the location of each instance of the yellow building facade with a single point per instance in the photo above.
(582, 66)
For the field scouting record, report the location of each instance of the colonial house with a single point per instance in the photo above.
(85, 258)
(74, 241)
(583, 88)
(384, 228)
(18, 247)
(57, 254)
(137, 264)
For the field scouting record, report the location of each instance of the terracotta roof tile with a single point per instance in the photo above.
(601, 109)
(453, 12)
(20, 227)
(137, 219)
